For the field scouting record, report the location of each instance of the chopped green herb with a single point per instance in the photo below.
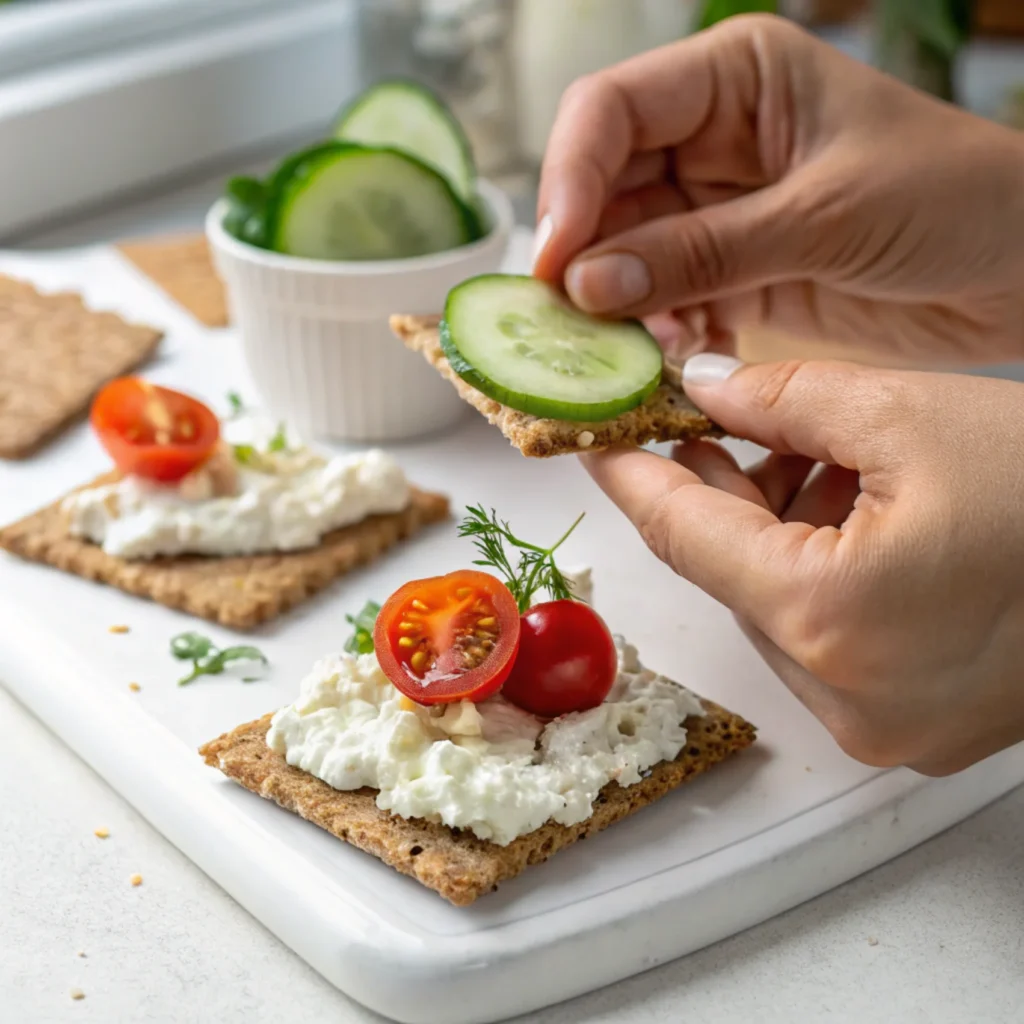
(245, 454)
(536, 569)
(236, 403)
(208, 660)
(279, 442)
(361, 641)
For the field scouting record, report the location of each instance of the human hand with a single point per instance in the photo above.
(754, 176)
(886, 590)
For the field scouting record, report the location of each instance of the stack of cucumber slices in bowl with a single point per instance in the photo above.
(396, 181)
(387, 216)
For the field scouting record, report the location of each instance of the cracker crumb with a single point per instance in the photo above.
(136, 879)
(872, 941)
(807, 768)
(81, 953)
(134, 687)
(77, 993)
(101, 833)
(118, 629)
(585, 439)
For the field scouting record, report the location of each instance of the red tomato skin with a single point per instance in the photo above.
(566, 662)
(474, 685)
(119, 406)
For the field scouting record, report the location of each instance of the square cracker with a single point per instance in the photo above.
(55, 354)
(241, 591)
(184, 269)
(455, 863)
(665, 415)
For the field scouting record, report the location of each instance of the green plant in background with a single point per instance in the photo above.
(918, 40)
(718, 10)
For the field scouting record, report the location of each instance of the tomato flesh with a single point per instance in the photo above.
(567, 660)
(153, 432)
(448, 638)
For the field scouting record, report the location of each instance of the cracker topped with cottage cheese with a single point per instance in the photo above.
(476, 725)
(232, 520)
(491, 768)
(263, 501)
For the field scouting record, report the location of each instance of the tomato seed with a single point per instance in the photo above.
(406, 641)
(408, 627)
(463, 592)
(489, 621)
(419, 661)
(419, 605)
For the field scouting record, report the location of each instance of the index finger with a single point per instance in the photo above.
(658, 99)
(734, 550)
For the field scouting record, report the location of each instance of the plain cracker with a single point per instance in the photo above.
(666, 415)
(454, 863)
(240, 592)
(55, 354)
(183, 268)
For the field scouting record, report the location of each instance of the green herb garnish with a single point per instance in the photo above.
(361, 641)
(535, 569)
(236, 403)
(279, 442)
(245, 454)
(208, 660)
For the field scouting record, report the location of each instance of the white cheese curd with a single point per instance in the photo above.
(281, 501)
(490, 767)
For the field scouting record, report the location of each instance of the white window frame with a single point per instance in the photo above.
(107, 96)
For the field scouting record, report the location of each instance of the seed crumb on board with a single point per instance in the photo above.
(807, 768)
(77, 993)
(101, 833)
(872, 941)
(585, 438)
(81, 953)
(136, 879)
(134, 687)
(118, 629)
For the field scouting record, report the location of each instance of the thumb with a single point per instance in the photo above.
(690, 258)
(837, 413)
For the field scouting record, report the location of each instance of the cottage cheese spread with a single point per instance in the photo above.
(489, 767)
(281, 502)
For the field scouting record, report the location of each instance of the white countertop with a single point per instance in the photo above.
(935, 936)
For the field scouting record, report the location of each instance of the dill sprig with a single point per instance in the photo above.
(535, 569)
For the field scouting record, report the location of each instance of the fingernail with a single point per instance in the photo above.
(709, 368)
(542, 236)
(602, 284)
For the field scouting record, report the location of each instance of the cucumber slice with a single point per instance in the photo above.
(521, 343)
(406, 116)
(349, 202)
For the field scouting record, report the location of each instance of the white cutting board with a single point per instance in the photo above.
(778, 824)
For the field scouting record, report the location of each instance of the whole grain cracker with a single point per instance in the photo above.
(241, 591)
(665, 415)
(55, 354)
(455, 863)
(183, 268)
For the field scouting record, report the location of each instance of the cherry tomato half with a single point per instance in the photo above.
(448, 638)
(566, 661)
(153, 432)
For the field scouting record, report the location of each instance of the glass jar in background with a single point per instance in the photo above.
(556, 41)
(460, 50)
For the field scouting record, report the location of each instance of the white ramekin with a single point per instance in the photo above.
(316, 338)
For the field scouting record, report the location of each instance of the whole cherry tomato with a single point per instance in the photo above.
(566, 662)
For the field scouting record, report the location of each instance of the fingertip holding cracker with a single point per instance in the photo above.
(666, 415)
(183, 268)
(55, 354)
(455, 863)
(239, 592)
